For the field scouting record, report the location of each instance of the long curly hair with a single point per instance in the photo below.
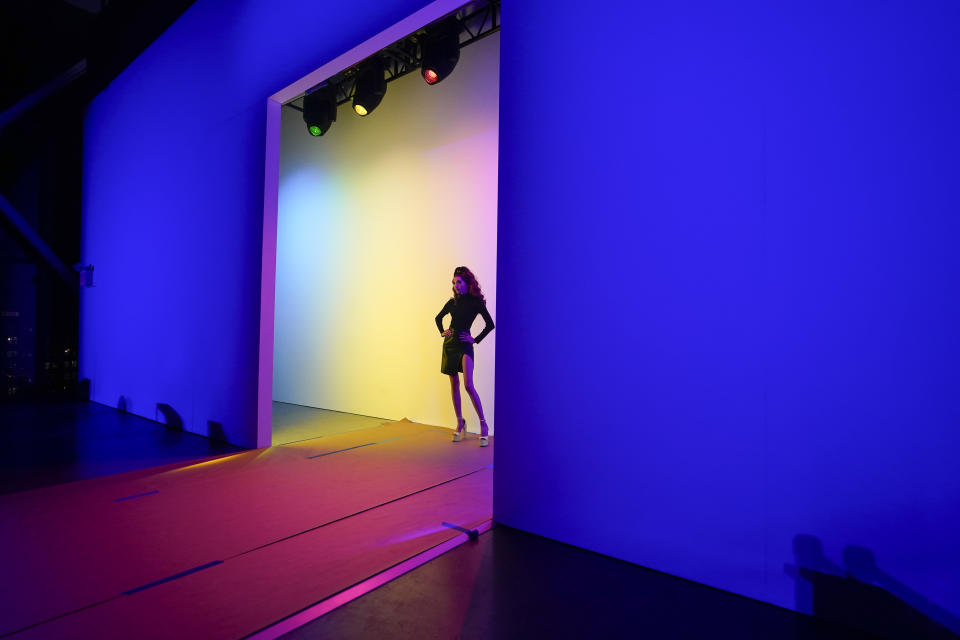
(474, 286)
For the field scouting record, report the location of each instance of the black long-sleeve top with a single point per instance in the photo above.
(464, 311)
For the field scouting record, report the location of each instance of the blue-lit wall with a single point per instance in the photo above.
(729, 289)
(173, 205)
(726, 263)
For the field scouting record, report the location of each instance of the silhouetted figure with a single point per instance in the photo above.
(467, 302)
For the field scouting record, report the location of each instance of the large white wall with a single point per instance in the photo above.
(373, 218)
(173, 196)
(748, 213)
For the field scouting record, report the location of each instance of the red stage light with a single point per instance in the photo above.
(430, 76)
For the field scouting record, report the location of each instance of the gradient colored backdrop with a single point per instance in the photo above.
(743, 355)
(373, 217)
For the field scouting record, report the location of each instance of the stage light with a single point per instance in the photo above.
(320, 109)
(371, 86)
(440, 50)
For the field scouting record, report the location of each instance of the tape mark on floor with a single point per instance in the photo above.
(139, 495)
(173, 577)
(330, 453)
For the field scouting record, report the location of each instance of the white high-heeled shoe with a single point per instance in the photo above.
(461, 431)
(484, 439)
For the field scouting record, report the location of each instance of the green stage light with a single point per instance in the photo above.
(320, 109)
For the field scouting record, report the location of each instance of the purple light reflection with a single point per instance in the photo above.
(338, 600)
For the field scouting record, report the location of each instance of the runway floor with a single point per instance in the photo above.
(228, 545)
(295, 423)
(216, 542)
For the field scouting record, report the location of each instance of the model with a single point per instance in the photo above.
(467, 302)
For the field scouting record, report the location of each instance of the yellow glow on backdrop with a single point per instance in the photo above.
(373, 218)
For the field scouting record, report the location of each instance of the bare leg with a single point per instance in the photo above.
(455, 393)
(468, 383)
(461, 431)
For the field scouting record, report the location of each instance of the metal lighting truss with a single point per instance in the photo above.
(477, 21)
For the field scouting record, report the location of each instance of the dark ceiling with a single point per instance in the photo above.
(41, 158)
(41, 39)
(41, 141)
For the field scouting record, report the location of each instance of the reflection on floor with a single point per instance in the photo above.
(294, 422)
(47, 444)
(511, 584)
(223, 547)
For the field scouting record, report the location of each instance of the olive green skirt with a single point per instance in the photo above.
(451, 361)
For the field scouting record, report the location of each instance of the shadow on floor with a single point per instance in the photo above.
(861, 595)
(169, 417)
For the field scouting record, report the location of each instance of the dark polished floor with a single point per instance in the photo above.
(47, 444)
(511, 584)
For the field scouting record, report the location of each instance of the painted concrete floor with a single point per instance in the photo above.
(507, 584)
(511, 584)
